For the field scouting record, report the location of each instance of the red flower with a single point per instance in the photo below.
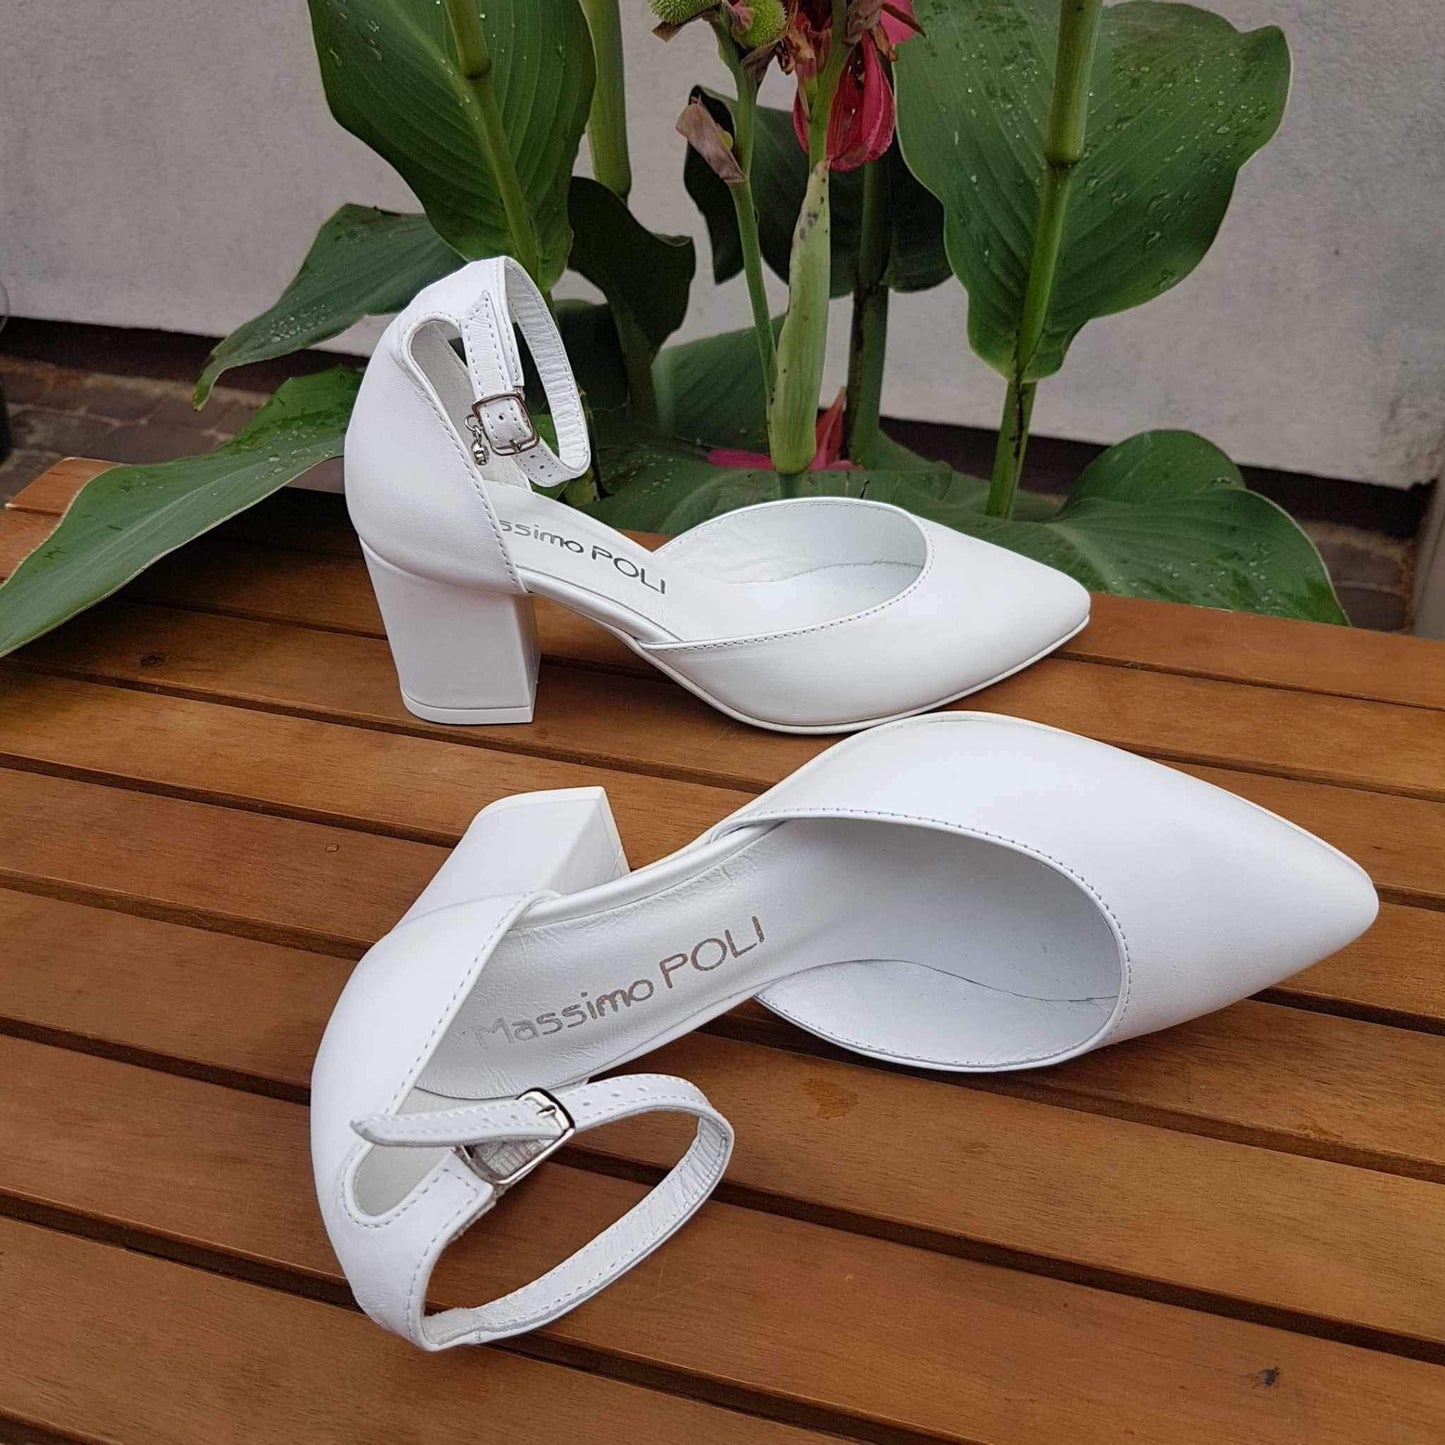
(830, 447)
(860, 127)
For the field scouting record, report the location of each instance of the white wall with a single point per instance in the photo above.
(166, 164)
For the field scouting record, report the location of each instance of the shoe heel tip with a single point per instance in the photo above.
(468, 716)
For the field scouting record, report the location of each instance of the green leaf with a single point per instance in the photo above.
(1165, 515)
(645, 277)
(363, 262)
(129, 517)
(712, 390)
(392, 79)
(590, 336)
(1179, 100)
(780, 179)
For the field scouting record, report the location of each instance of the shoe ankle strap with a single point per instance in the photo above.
(483, 300)
(500, 1142)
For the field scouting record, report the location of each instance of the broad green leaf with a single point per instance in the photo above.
(1163, 515)
(129, 517)
(1179, 100)
(392, 79)
(363, 262)
(780, 178)
(645, 277)
(590, 336)
(712, 391)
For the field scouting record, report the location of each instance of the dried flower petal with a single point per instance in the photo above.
(697, 127)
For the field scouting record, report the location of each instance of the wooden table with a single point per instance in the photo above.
(213, 802)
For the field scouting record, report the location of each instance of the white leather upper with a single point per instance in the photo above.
(964, 891)
(1209, 897)
(972, 614)
(816, 614)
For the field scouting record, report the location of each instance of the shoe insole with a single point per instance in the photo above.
(907, 943)
(572, 558)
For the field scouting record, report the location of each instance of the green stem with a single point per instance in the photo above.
(753, 267)
(870, 314)
(476, 67)
(821, 110)
(744, 127)
(793, 406)
(607, 120)
(1063, 149)
(1008, 457)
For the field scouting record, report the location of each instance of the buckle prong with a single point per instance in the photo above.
(506, 448)
(548, 1104)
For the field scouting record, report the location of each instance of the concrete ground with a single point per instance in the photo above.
(58, 411)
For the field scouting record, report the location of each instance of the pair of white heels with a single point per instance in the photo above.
(960, 891)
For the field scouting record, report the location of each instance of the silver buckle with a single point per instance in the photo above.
(548, 1104)
(507, 449)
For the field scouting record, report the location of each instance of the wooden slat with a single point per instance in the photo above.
(102, 1343)
(1041, 1182)
(649, 726)
(20, 534)
(1164, 636)
(928, 1337)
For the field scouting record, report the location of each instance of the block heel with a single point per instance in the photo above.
(463, 655)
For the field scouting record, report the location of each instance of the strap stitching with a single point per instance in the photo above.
(703, 1150)
(411, 371)
(422, 1272)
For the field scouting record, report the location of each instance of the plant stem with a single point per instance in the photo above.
(821, 110)
(744, 128)
(476, 68)
(607, 120)
(1063, 149)
(870, 314)
(1008, 457)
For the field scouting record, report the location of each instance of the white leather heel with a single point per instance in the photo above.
(462, 654)
(559, 841)
(962, 891)
(820, 614)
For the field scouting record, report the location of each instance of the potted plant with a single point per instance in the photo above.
(1060, 159)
